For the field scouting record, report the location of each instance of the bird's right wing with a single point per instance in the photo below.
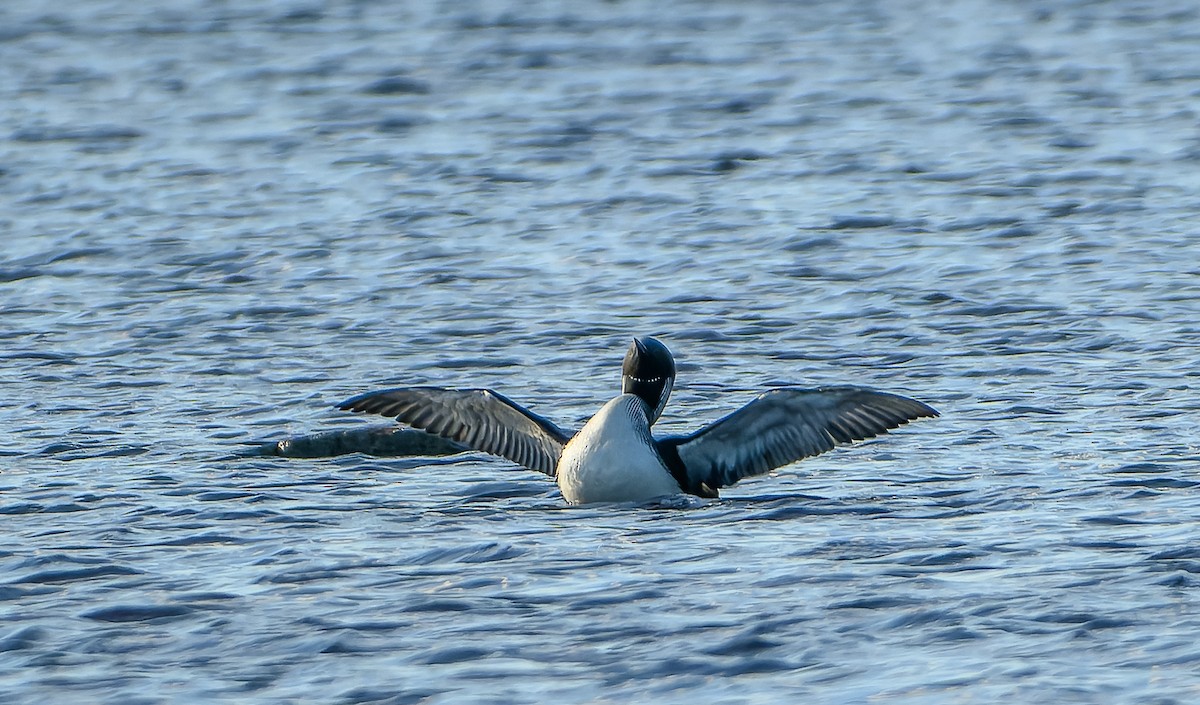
(479, 418)
(780, 427)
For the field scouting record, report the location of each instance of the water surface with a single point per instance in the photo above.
(220, 220)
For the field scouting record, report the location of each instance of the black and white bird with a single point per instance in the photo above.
(615, 458)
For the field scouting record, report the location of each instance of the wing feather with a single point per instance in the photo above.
(782, 426)
(479, 418)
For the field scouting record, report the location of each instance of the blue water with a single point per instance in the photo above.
(220, 219)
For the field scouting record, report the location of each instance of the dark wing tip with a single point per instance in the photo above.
(354, 403)
(866, 396)
(884, 411)
(379, 401)
(918, 409)
(905, 410)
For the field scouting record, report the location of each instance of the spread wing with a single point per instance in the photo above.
(478, 418)
(780, 427)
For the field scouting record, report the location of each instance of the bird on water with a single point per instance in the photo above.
(616, 458)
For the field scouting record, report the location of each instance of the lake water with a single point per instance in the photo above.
(220, 219)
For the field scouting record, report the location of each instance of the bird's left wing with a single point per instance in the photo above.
(478, 418)
(780, 427)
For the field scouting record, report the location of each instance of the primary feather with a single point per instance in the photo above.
(782, 426)
(479, 418)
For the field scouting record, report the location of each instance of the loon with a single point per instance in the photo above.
(615, 458)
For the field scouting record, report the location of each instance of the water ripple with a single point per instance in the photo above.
(266, 209)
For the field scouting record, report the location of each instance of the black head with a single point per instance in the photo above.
(649, 372)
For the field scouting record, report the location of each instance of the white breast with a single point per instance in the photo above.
(613, 459)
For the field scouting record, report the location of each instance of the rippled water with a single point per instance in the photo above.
(221, 219)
